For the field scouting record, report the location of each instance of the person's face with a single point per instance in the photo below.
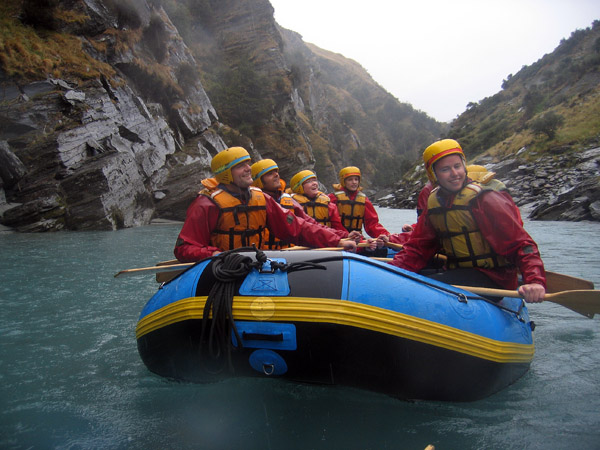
(311, 187)
(352, 183)
(450, 172)
(242, 175)
(271, 181)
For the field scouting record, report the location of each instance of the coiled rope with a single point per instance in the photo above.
(228, 268)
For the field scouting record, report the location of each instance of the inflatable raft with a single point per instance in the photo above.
(333, 318)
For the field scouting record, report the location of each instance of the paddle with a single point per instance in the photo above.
(163, 268)
(393, 246)
(171, 265)
(584, 302)
(555, 282)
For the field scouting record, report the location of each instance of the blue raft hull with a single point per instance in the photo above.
(353, 321)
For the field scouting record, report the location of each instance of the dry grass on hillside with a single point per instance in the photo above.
(32, 54)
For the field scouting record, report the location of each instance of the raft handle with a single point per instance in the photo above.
(462, 298)
(262, 337)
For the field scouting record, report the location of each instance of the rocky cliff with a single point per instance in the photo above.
(97, 153)
(111, 110)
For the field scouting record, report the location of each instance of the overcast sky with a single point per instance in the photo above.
(438, 55)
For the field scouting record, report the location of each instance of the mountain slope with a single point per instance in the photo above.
(540, 133)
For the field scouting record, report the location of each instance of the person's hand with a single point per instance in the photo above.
(348, 245)
(406, 228)
(373, 244)
(380, 242)
(532, 293)
(356, 236)
(384, 238)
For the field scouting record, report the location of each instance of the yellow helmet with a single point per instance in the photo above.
(349, 171)
(223, 161)
(261, 168)
(437, 151)
(479, 173)
(298, 179)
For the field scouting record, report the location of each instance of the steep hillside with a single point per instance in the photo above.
(540, 133)
(363, 123)
(552, 103)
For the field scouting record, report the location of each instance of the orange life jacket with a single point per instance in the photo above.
(352, 212)
(239, 224)
(317, 208)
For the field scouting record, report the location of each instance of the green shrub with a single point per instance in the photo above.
(547, 124)
(242, 96)
(156, 37)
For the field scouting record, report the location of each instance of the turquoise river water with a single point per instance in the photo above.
(71, 376)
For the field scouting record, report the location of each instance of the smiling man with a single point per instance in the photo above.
(478, 227)
(230, 213)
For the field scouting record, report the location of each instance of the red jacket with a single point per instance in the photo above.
(499, 221)
(423, 197)
(371, 220)
(193, 243)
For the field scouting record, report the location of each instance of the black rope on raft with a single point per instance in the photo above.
(228, 268)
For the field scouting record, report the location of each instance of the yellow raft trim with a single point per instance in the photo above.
(342, 312)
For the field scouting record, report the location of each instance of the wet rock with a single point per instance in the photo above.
(12, 168)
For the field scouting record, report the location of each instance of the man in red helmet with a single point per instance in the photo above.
(230, 213)
(478, 227)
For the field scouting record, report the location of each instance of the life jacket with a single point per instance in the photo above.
(285, 199)
(460, 237)
(317, 208)
(270, 242)
(352, 212)
(239, 225)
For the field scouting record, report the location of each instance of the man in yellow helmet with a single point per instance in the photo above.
(477, 226)
(230, 213)
(265, 174)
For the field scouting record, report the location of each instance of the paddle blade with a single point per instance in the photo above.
(163, 277)
(558, 282)
(585, 302)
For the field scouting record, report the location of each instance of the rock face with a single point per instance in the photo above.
(559, 188)
(121, 130)
(555, 187)
(105, 153)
